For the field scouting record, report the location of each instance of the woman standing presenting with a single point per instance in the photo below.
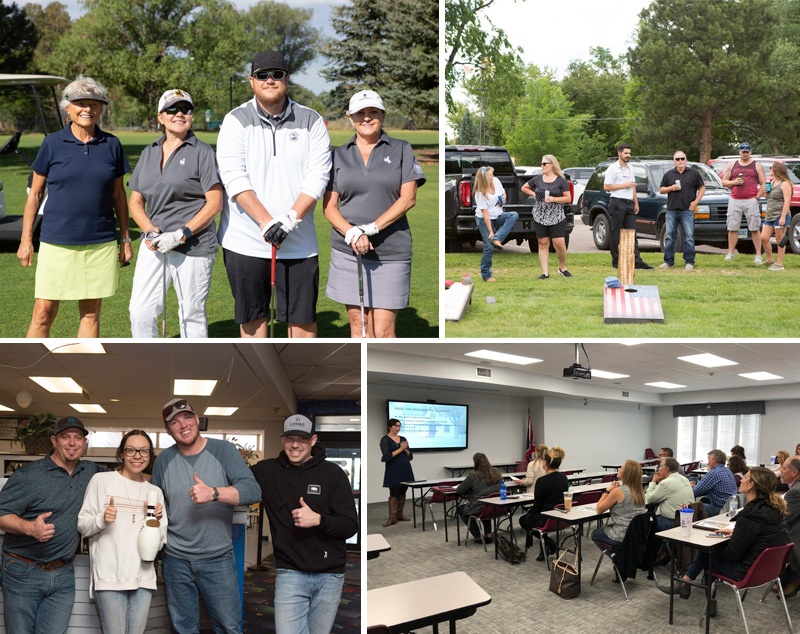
(176, 179)
(549, 220)
(489, 215)
(373, 184)
(113, 513)
(397, 456)
(82, 168)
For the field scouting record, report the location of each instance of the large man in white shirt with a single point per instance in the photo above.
(671, 490)
(623, 205)
(274, 159)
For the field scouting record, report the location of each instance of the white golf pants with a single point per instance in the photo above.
(191, 277)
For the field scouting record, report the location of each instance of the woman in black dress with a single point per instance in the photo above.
(397, 456)
(548, 491)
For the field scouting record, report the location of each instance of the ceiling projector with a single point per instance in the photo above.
(577, 371)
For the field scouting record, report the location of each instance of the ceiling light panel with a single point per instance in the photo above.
(760, 376)
(88, 408)
(58, 384)
(491, 355)
(194, 387)
(602, 374)
(666, 385)
(708, 360)
(220, 411)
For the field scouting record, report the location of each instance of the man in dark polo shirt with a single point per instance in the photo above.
(684, 188)
(39, 513)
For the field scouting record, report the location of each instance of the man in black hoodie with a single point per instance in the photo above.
(311, 513)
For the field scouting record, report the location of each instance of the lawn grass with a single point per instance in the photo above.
(420, 319)
(717, 299)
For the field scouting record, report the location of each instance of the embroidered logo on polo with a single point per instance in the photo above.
(293, 136)
(387, 160)
(417, 169)
(314, 489)
(183, 161)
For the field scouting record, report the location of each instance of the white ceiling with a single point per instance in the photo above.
(644, 363)
(264, 380)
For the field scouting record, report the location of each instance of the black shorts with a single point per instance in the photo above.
(249, 278)
(558, 230)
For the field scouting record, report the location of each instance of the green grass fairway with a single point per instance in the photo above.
(717, 299)
(420, 319)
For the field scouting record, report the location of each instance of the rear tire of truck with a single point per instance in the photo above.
(662, 239)
(452, 245)
(794, 233)
(601, 232)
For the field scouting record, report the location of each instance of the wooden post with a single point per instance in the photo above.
(627, 248)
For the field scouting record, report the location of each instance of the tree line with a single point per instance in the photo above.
(139, 48)
(702, 75)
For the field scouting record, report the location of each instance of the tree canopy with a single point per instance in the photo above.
(18, 38)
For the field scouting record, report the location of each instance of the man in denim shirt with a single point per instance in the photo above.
(718, 484)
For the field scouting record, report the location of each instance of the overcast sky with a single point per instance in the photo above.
(320, 20)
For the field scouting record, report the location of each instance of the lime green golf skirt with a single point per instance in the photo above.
(65, 272)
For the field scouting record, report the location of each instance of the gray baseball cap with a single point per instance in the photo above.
(298, 425)
(69, 422)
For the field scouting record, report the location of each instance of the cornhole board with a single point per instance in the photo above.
(630, 304)
(456, 299)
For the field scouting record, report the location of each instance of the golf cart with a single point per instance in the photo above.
(16, 104)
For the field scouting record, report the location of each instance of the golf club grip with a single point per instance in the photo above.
(361, 294)
(272, 293)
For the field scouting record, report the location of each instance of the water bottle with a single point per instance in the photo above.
(733, 506)
(503, 490)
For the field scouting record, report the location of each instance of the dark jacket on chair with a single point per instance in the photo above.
(758, 526)
(634, 546)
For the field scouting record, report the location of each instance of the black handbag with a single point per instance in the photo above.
(564, 578)
(508, 550)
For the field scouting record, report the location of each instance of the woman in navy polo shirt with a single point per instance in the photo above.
(374, 180)
(176, 193)
(82, 168)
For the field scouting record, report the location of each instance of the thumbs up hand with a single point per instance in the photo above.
(200, 492)
(304, 517)
(111, 511)
(41, 530)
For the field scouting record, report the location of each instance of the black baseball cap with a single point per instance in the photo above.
(69, 422)
(744, 146)
(269, 60)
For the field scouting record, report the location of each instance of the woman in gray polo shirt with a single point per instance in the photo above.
(374, 180)
(176, 194)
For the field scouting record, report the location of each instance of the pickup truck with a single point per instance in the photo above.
(461, 164)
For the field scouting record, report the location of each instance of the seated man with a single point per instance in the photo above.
(790, 474)
(671, 490)
(718, 484)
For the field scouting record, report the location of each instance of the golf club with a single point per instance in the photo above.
(164, 296)
(272, 294)
(361, 295)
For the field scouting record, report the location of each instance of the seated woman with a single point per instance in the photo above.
(759, 525)
(548, 491)
(481, 482)
(738, 468)
(625, 499)
(536, 469)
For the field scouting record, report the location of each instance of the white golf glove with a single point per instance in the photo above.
(352, 235)
(280, 227)
(150, 236)
(168, 241)
(370, 229)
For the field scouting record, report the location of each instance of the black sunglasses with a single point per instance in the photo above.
(679, 158)
(543, 164)
(263, 75)
(173, 110)
(176, 407)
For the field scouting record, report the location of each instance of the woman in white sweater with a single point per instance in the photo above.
(113, 512)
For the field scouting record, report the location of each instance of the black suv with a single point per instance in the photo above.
(709, 219)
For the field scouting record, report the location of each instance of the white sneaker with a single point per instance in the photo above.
(729, 257)
(689, 267)
(758, 260)
(664, 265)
(776, 267)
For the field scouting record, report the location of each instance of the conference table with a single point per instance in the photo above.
(697, 538)
(508, 466)
(425, 603)
(376, 544)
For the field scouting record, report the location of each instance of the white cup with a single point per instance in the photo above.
(686, 521)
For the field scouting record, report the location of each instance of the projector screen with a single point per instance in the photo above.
(431, 426)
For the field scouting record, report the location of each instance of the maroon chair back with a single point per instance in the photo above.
(521, 466)
(649, 454)
(767, 567)
(588, 497)
(608, 478)
(443, 493)
(552, 524)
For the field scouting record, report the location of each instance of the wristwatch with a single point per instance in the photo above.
(215, 496)
(187, 233)
(122, 240)
(323, 520)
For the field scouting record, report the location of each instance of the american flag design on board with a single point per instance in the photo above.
(622, 307)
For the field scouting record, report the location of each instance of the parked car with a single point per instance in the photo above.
(710, 216)
(461, 164)
(580, 176)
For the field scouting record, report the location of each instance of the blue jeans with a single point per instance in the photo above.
(600, 533)
(306, 602)
(664, 523)
(212, 579)
(123, 611)
(505, 221)
(36, 602)
(686, 218)
(700, 563)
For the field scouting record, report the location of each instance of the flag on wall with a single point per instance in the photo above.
(530, 443)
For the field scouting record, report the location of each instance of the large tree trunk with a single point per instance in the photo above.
(705, 136)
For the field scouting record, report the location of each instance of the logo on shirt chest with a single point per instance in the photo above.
(387, 160)
(314, 489)
(182, 161)
(293, 136)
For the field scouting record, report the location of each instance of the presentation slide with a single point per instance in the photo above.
(431, 426)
